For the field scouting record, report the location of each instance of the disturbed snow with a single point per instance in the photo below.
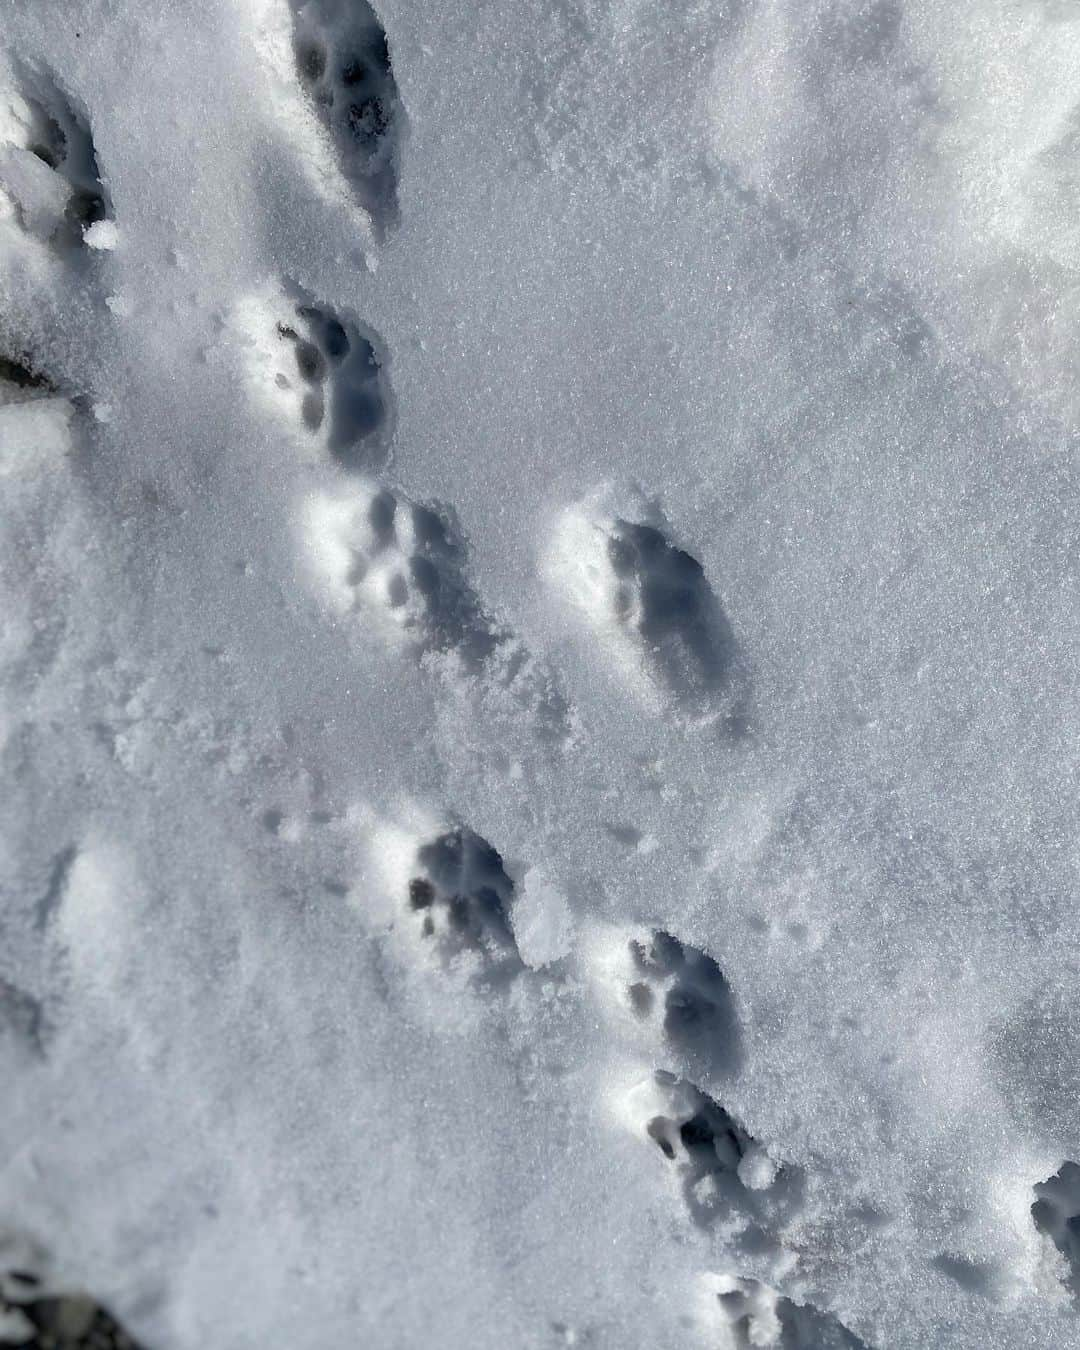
(538, 674)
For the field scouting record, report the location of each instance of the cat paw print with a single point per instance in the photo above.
(343, 64)
(403, 562)
(724, 1174)
(49, 173)
(460, 899)
(321, 372)
(653, 605)
(682, 994)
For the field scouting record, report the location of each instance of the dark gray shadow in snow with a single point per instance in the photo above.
(343, 63)
(974, 1276)
(19, 380)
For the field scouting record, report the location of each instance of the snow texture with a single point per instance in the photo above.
(539, 558)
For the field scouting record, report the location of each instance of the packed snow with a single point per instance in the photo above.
(539, 673)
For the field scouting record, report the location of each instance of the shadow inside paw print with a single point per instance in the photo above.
(1056, 1212)
(751, 1314)
(663, 597)
(343, 61)
(346, 395)
(53, 131)
(462, 898)
(37, 1319)
(688, 989)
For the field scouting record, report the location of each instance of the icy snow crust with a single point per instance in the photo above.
(539, 671)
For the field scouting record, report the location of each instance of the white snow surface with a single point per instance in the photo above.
(559, 826)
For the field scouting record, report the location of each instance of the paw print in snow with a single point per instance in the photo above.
(48, 165)
(338, 374)
(652, 600)
(684, 991)
(719, 1165)
(34, 1315)
(461, 898)
(728, 1179)
(382, 553)
(343, 62)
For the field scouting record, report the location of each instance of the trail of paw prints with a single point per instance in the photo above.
(401, 566)
(39, 1315)
(343, 64)
(651, 601)
(50, 180)
(321, 372)
(743, 1314)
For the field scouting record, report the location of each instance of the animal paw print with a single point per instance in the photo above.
(1056, 1212)
(655, 600)
(382, 553)
(724, 1173)
(48, 165)
(461, 899)
(683, 991)
(343, 62)
(41, 1319)
(337, 376)
(747, 1314)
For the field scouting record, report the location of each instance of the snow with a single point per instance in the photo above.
(538, 672)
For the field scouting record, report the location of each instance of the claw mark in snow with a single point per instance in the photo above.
(59, 875)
